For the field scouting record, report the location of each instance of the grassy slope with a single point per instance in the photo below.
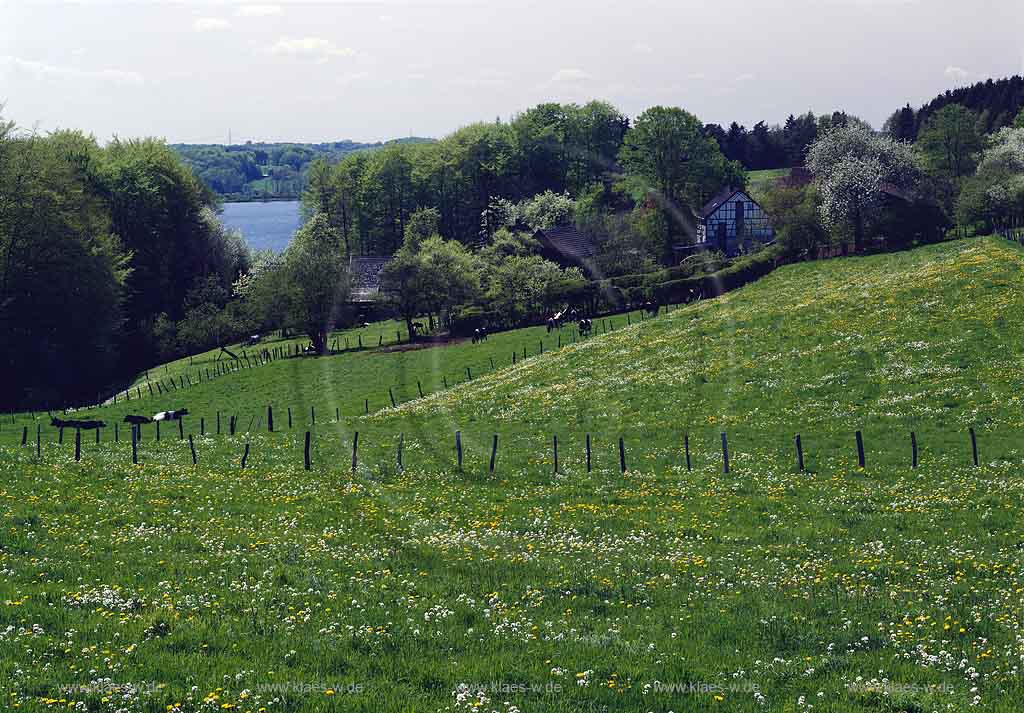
(340, 383)
(408, 584)
(759, 182)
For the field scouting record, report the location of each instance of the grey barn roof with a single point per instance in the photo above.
(565, 240)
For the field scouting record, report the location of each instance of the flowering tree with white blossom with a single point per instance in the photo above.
(851, 166)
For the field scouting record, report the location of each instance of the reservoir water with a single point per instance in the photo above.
(265, 226)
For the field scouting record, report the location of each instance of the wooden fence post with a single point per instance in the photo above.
(401, 442)
(135, 443)
(686, 447)
(289, 418)
(98, 435)
(312, 414)
(24, 435)
(419, 387)
(913, 449)
(799, 454)
(860, 449)
(391, 393)
(588, 452)
(181, 428)
(366, 406)
(78, 444)
(270, 418)
(192, 447)
(622, 455)
(355, 449)
(974, 447)
(202, 426)
(458, 447)
(469, 374)
(245, 456)
(305, 453)
(218, 423)
(725, 453)
(494, 451)
(158, 431)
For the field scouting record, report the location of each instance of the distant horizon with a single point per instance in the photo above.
(875, 125)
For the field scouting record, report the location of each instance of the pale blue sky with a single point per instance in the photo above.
(372, 70)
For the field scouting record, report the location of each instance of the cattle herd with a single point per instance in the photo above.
(130, 418)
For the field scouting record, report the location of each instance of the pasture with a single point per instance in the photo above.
(543, 587)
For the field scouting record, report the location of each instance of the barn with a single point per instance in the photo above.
(568, 247)
(732, 222)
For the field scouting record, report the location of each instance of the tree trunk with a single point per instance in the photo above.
(858, 232)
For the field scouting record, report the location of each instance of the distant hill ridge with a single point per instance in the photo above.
(267, 170)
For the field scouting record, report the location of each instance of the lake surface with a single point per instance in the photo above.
(265, 226)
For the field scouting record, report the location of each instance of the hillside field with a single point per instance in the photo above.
(165, 586)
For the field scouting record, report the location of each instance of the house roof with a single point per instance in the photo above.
(715, 203)
(568, 242)
(722, 197)
(365, 275)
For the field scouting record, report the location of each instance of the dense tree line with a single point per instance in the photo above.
(995, 102)
(99, 246)
(590, 152)
(779, 146)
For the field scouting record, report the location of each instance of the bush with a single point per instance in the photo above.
(741, 272)
(467, 318)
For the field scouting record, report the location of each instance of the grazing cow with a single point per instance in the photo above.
(84, 425)
(483, 334)
(476, 336)
(170, 415)
(364, 325)
(585, 327)
(137, 420)
(254, 339)
(652, 308)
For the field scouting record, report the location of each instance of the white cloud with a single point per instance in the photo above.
(746, 77)
(957, 74)
(41, 70)
(570, 75)
(259, 10)
(313, 47)
(210, 24)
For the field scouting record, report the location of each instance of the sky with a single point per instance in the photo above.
(371, 70)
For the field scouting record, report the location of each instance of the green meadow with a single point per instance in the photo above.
(544, 585)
